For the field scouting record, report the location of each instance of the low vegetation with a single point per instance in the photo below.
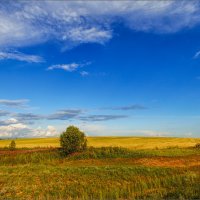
(100, 172)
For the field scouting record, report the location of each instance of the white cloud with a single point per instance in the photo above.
(20, 57)
(25, 23)
(84, 73)
(50, 131)
(13, 128)
(68, 67)
(82, 35)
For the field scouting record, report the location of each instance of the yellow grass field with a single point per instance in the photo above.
(127, 142)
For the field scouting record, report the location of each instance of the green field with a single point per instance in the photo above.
(145, 168)
(127, 142)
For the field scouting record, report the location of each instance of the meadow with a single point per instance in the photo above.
(111, 168)
(126, 142)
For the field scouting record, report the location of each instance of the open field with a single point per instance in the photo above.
(102, 173)
(126, 142)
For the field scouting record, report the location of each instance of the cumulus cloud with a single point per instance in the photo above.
(24, 23)
(12, 128)
(50, 131)
(15, 128)
(19, 103)
(20, 130)
(20, 57)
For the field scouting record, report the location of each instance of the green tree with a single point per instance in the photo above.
(12, 145)
(73, 140)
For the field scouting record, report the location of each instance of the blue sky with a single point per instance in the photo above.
(111, 68)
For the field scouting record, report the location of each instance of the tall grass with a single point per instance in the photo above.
(55, 155)
(119, 152)
(60, 182)
(50, 175)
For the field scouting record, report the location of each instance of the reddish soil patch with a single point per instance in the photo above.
(185, 161)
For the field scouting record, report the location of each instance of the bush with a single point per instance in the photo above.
(197, 146)
(12, 145)
(73, 140)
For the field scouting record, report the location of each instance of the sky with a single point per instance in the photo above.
(112, 68)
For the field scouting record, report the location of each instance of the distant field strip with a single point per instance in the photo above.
(127, 142)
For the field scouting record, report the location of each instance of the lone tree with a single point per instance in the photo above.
(73, 140)
(12, 145)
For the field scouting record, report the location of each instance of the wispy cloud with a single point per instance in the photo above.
(69, 67)
(4, 113)
(196, 55)
(84, 73)
(28, 117)
(20, 57)
(72, 23)
(129, 107)
(93, 34)
(96, 118)
(19, 103)
(65, 114)
(9, 121)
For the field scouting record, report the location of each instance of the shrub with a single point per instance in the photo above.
(197, 146)
(12, 145)
(73, 140)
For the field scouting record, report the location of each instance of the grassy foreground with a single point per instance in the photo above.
(126, 142)
(101, 173)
